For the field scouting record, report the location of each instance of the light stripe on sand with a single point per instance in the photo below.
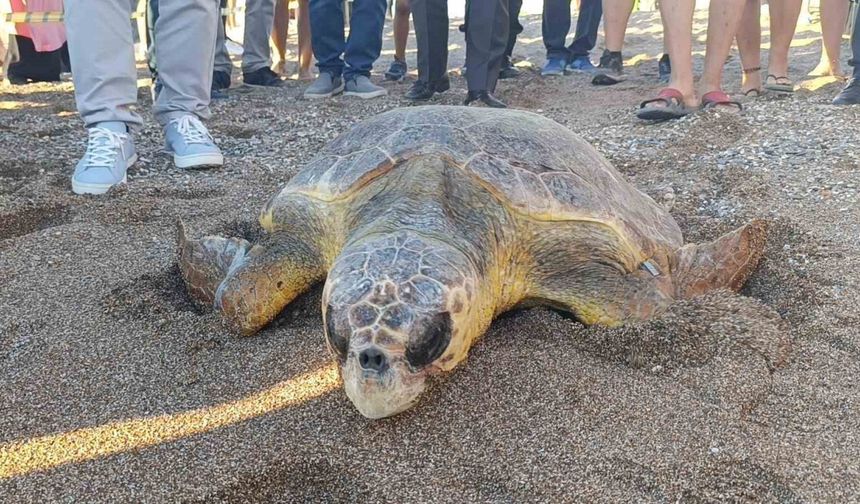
(38, 454)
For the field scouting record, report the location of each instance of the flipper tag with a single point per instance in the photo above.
(651, 268)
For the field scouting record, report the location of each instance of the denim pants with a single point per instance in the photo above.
(556, 25)
(364, 44)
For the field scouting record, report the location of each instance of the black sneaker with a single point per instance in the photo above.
(263, 77)
(508, 71)
(610, 70)
(664, 69)
(423, 91)
(220, 80)
(220, 84)
(850, 94)
(397, 71)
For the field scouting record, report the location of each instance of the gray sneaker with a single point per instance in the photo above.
(325, 86)
(361, 86)
(110, 152)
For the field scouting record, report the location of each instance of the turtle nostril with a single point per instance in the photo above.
(373, 359)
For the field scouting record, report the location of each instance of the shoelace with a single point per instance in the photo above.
(192, 130)
(102, 148)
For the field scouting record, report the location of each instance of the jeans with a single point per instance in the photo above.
(364, 44)
(556, 25)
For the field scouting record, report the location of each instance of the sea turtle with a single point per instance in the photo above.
(428, 222)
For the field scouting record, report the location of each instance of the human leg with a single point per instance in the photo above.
(834, 13)
(749, 46)
(783, 22)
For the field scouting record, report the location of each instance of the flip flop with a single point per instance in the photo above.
(749, 95)
(673, 106)
(779, 84)
(716, 99)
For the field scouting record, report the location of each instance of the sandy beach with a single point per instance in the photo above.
(115, 387)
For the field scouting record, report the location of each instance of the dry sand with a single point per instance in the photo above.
(115, 388)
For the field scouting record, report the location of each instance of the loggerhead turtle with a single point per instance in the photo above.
(428, 222)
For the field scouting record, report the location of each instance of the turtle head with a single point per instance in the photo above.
(397, 310)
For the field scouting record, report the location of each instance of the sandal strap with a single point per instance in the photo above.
(717, 98)
(667, 96)
(751, 70)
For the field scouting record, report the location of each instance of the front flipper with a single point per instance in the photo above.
(601, 294)
(250, 285)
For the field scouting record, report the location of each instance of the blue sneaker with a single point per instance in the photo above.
(110, 152)
(581, 64)
(191, 144)
(553, 66)
(397, 71)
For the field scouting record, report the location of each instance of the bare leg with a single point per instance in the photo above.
(281, 32)
(783, 21)
(723, 20)
(616, 14)
(678, 37)
(306, 55)
(834, 14)
(401, 29)
(749, 46)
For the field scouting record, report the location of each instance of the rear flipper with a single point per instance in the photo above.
(725, 263)
(205, 263)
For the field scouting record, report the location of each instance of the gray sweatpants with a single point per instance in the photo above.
(259, 16)
(102, 55)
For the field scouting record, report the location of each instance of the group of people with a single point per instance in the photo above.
(191, 63)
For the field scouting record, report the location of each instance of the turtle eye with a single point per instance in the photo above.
(430, 345)
(336, 341)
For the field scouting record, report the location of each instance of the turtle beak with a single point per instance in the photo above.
(378, 385)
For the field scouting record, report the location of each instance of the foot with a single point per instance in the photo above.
(717, 99)
(825, 69)
(110, 152)
(220, 80)
(751, 84)
(850, 94)
(581, 64)
(610, 70)
(397, 71)
(306, 75)
(263, 77)
(664, 69)
(778, 83)
(325, 86)
(484, 97)
(670, 103)
(553, 67)
(361, 87)
(220, 84)
(191, 144)
(281, 67)
(423, 91)
(508, 71)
